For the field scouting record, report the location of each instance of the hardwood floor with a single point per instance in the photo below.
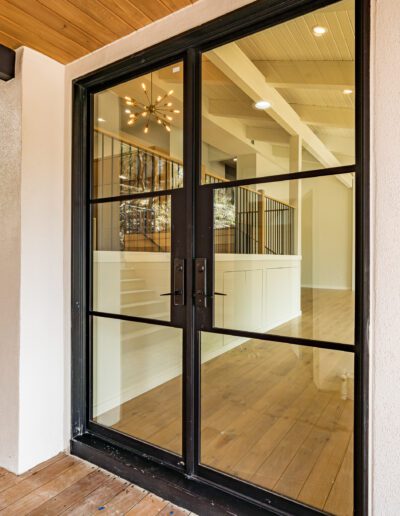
(69, 486)
(327, 314)
(276, 415)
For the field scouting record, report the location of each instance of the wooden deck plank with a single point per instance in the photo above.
(173, 510)
(67, 485)
(150, 505)
(124, 501)
(33, 481)
(71, 494)
(97, 498)
(47, 491)
(9, 479)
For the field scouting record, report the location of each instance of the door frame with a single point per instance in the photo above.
(88, 440)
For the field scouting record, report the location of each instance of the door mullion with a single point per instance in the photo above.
(191, 159)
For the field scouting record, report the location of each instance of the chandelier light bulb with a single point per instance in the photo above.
(156, 109)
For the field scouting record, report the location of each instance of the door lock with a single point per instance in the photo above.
(178, 293)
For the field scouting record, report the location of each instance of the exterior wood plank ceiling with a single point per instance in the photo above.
(68, 29)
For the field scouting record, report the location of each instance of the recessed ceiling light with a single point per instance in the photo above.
(347, 92)
(100, 120)
(319, 31)
(235, 159)
(262, 104)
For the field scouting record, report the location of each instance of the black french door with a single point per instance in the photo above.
(217, 336)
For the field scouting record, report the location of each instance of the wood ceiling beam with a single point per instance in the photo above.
(315, 115)
(265, 134)
(323, 116)
(234, 63)
(7, 63)
(235, 109)
(321, 75)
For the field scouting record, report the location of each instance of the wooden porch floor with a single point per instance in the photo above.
(67, 485)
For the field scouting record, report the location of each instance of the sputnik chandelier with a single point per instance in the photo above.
(160, 109)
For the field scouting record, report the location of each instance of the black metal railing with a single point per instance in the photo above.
(246, 221)
(279, 224)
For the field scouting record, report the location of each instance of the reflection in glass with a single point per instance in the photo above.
(131, 257)
(280, 416)
(284, 258)
(281, 100)
(138, 135)
(137, 380)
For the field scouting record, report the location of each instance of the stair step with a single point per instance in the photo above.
(132, 284)
(128, 274)
(145, 337)
(126, 326)
(143, 308)
(133, 296)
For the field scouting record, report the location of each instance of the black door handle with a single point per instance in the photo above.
(178, 283)
(175, 293)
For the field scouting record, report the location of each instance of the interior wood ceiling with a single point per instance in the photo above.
(68, 29)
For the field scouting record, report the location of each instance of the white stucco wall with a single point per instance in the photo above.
(10, 180)
(41, 408)
(385, 221)
(31, 262)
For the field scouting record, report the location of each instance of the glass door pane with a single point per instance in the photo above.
(137, 380)
(284, 258)
(136, 188)
(132, 257)
(280, 416)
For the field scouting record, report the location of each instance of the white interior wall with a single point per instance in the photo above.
(327, 234)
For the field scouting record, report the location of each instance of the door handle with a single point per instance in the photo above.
(200, 291)
(178, 292)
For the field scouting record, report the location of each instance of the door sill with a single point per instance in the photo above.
(190, 493)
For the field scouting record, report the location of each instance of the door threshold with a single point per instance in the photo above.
(190, 493)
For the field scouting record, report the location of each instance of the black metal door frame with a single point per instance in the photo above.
(193, 238)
